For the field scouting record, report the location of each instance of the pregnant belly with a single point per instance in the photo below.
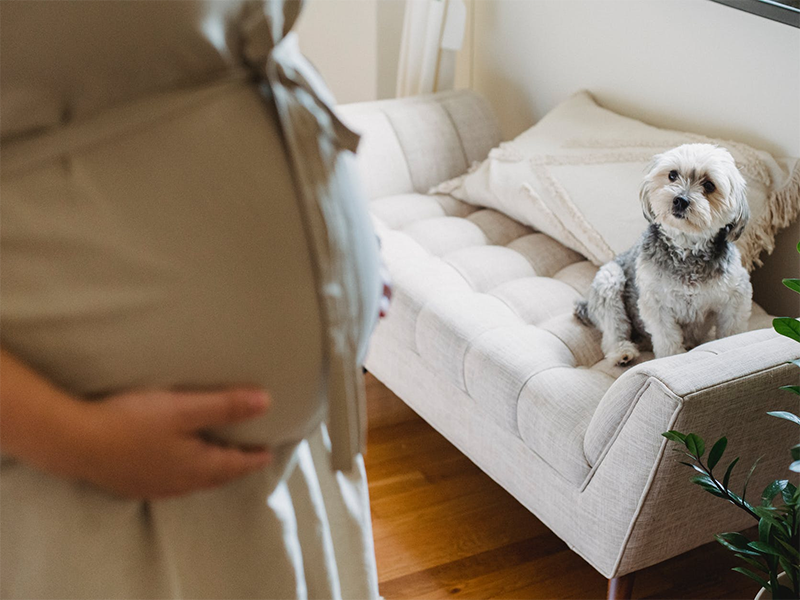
(171, 257)
(209, 340)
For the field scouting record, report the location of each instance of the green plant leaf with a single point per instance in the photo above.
(676, 436)
(749, 475)
(772, 490)
(780, 526)
(788, 326)
(717, 450)
(792, 550)
(792, 284)
(762, 582)
(692, 465)
(764, 528)
(752, 561)
(788, 493)
(783, 414)
(683, 452)
(728, 472)
(795, 466)
(695, 444)
(795, 389)
(770, 511)
(735, 541)
(714, 491)
(786, 565)
(796, 362)
(738, 501)
(795, 450)
(764, 548)
(704, 481)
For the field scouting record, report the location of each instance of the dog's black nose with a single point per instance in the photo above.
(680, 203)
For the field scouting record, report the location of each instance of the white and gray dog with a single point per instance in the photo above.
(684, 275)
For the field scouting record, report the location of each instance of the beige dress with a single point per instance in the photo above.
(178, 211)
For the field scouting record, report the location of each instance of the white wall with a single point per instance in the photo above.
(355, 45)
(692, 65)
(341, 38)
(390, 30)
(687, 64)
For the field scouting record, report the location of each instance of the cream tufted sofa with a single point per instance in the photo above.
(481, 342)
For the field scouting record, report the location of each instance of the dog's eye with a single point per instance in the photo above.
(709, 187)
(673, 175)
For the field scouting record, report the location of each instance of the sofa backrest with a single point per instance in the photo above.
(412, 144)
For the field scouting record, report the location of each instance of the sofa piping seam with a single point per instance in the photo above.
(646, 491)
(458, 132)
(402, 148)
(617, 431)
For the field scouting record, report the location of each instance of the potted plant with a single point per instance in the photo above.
(773, 560)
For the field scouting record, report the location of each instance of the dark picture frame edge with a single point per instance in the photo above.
(784, 11)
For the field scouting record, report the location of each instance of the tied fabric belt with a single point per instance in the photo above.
(316, 139)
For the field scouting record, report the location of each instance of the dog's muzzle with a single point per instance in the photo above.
(679, 206)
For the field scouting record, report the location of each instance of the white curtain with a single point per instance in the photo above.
(433, 31)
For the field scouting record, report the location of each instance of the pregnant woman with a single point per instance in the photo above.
(189, 280)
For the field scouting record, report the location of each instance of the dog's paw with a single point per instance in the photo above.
(623, 354)
(664, 351)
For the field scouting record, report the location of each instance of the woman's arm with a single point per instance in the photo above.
(144, 444)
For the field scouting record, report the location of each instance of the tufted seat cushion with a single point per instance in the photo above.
(487, 303)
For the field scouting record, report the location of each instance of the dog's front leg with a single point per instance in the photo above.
(733, 317)
(660, 323)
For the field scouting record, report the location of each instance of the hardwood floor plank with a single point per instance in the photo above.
(480, 575)
(445, 529)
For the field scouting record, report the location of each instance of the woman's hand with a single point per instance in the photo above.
(145, 444)
(151, 444)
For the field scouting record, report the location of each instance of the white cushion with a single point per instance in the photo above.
(576, 174)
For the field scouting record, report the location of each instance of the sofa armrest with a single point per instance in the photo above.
(692, 377)
(723, 388)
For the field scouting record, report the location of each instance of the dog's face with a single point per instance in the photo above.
(697, 190)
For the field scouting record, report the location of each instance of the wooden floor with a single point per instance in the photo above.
(444, 529)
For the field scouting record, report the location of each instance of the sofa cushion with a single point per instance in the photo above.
(399, 211)
(576, 175)
(410, 144)
(487, 303)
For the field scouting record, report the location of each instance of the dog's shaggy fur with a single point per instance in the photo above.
(685, 275)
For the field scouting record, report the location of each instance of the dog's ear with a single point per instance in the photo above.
(644, 191)
(740, 206)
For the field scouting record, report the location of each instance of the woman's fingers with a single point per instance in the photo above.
(151, 444)
(209, 409)
(225, 464)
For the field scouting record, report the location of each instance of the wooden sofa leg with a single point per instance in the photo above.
(621, 588)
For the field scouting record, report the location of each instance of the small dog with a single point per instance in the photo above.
(685, 274)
